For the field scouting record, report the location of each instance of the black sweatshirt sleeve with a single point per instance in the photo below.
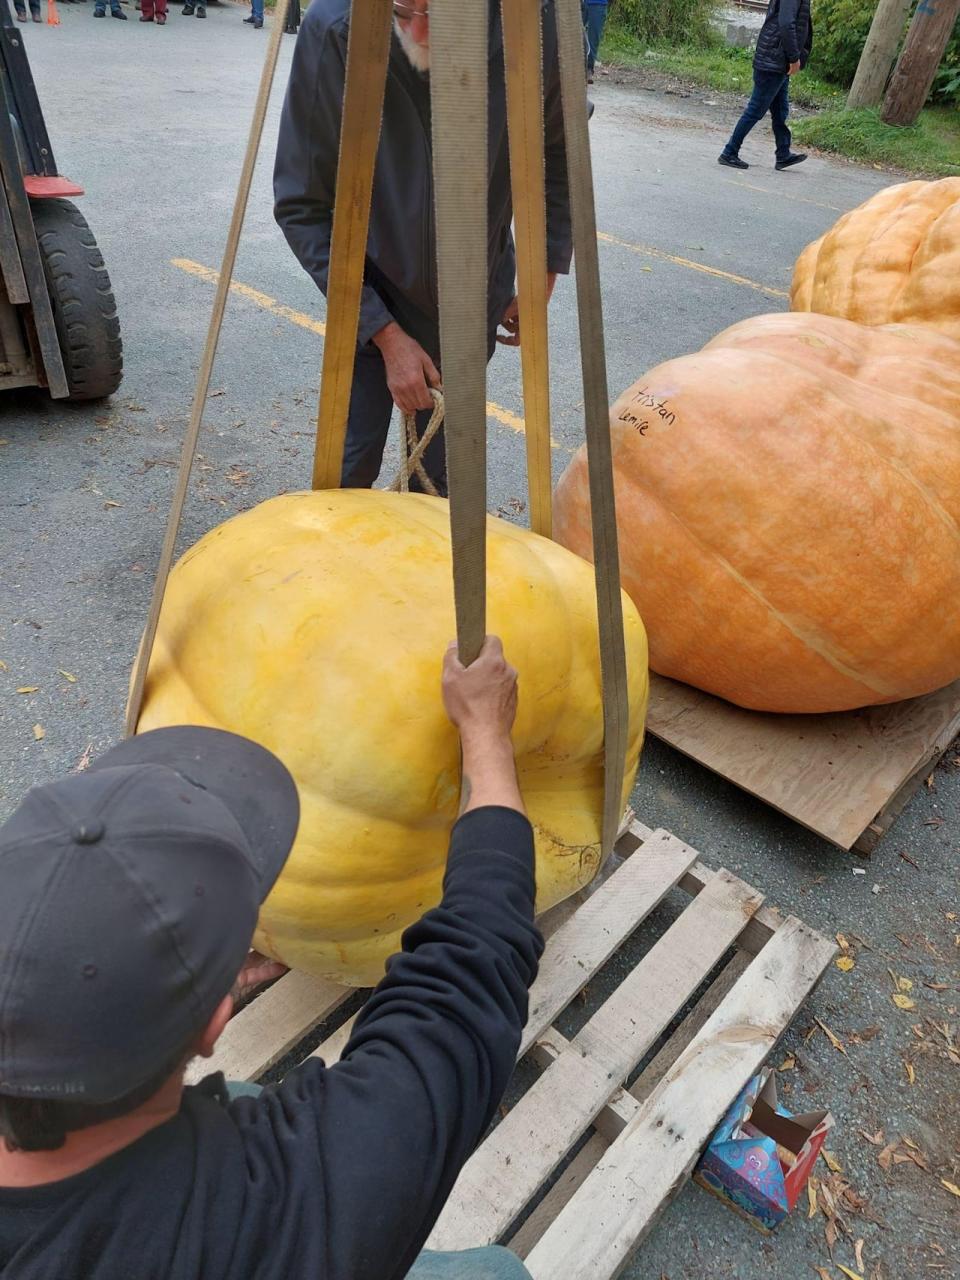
(305, 170)
(788, 30)
(370, 1148)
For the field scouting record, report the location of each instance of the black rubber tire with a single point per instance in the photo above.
(84, 308)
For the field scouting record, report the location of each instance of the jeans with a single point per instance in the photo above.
(771, 92)
(256, 10)
(594, 17)
(491, 1263)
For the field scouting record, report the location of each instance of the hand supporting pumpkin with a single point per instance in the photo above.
(481, 700)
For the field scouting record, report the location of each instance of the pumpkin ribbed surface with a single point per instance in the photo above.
(788, 501)
(894, 259)
(316, 624)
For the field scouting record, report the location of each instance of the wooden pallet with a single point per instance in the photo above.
(847, 777)
(643, 1140)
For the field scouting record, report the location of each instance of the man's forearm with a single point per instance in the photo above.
(489, 775)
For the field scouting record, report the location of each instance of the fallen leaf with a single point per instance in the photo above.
(951, 915)
(903, 1002)
(834, 1040)
(220, 392)
(858, 1253)
(788, 1063)
(851, 1275)
(906, 857)
(951, 1187)
(904, 984)
(823, 1273)
(28, 688)
(3, 665)
(911, 1074)
(866, 1035)
(39, 732)
(885, 1158)
(111, 503)
(938, 986)
(68, 675)
(875, 1138)
(831, 1161)
(842, 943)
(831, 1233)
(845, 963)
(812, 1197)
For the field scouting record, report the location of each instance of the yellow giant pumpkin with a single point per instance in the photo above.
(788, 501)
(895, 259)
(316, 625)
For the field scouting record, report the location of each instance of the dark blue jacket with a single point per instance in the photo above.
(401, 270)
(786, 36)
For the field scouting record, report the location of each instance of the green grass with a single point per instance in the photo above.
(717, 66)
(931, 146)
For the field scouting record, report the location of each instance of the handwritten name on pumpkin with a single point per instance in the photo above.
(646, 400)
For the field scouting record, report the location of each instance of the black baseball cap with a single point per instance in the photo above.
(128, 899)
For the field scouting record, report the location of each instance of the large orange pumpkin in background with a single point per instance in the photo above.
(895, 259)
(788, 501)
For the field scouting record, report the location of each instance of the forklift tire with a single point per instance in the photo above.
(84, 309)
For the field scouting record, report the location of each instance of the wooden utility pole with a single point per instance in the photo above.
(878, 54)
(922, 51)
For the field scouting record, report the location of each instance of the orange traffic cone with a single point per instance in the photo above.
(53, 18)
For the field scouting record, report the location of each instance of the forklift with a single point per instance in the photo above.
(58, 319)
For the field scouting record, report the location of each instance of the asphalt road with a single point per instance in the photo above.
(153, 122)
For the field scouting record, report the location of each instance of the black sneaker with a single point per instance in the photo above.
(201, 10)
(187, 11)
(250, 21)
(732, 162)
(118, 13)
(795, 157)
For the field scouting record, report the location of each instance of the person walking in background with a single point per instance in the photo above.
(34, 11)
(99, 10)
(783, 49)
(191, 9)
(256, 15)
(153, 11)
(594, 19)
(292, 24)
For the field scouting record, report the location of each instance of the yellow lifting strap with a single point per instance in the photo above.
(523, 60)
(189, 447)
(368, 48)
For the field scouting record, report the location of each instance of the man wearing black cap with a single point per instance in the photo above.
(128, 899)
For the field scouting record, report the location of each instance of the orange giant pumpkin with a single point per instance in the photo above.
(788, 501)
(895, 259)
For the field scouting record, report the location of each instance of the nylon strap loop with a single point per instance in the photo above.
(368, 49)
(606, 555)
(459, 90)
(523, 59)
(142, 663)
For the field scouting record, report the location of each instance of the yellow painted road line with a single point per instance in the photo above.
(787, 195)
(266, 303)
(262, 300)
(647, 251)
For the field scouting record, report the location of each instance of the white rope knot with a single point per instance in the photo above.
(412, 449)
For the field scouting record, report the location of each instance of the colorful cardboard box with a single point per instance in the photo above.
(761, 1156)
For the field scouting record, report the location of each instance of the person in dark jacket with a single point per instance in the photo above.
(783, 49)
(398, 351)
(130, 896)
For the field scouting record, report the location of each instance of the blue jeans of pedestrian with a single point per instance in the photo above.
(491, 1263)
(771, 92)
(594, 17)
(256, 10)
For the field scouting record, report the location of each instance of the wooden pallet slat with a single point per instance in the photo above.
(845, 776)
(526, 1147)
(594, 1234)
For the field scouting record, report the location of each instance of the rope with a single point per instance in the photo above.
(135, 701)
(412, 449)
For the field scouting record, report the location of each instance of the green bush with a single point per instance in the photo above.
(840, 31)
(665, 21)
